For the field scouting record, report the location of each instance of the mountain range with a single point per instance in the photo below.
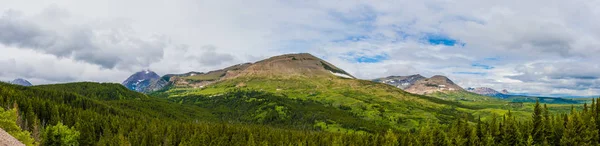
(290, 65)
(293, 95)
(303, 85)
(418, 84)
(306, 67)
(442, 87)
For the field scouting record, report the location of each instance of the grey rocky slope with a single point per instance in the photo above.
(418, 84)
(401, 82)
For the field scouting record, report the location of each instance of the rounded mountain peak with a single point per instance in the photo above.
(437, 83)
(440, 78)
(301, 64)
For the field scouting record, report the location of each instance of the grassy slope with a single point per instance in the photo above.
(376, 103)
(206, 77)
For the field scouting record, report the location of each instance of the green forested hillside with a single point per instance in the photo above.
(102, 91)
(54, 116)
(380, 105)
(138, 121)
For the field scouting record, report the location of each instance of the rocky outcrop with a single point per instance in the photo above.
(8, 140)
(401, 82)
(434, 84)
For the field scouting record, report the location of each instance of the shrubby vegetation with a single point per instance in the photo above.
(60, 134)
(8, 122)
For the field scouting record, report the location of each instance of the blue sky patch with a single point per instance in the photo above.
(353, 38)
(491, 59)
(441, 40)
(482, 66)
(367, 59)
(470, 73)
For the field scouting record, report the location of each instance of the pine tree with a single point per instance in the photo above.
(593, 107)
(473, 138)
(457, 133)
(596, 116)
(538, 126)
(510, 131)
(590, 133)
(530, 141)
(570, 134)
(489, 140)
(390, 138)
(440, 137)
(548, 129)
(494, 129)
(479, 130)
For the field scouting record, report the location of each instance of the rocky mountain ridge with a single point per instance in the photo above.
(418, 84)
(401, 82)
(287, 65)
(145, 81)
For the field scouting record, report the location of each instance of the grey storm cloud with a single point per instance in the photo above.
(558, 70)
(15, 69)
(106, 47)
(563, 75)
(208, 56)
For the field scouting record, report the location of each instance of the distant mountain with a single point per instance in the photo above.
(289, 65)
(488, 92)
(401, 82)
(21, 82)
(145, 81)
(504, 91)
(294, 65)
(418, 84)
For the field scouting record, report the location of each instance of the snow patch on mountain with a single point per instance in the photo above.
(145, 81)
(401, 82)
(341, 75)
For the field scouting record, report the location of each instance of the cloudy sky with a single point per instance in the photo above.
(545, 47)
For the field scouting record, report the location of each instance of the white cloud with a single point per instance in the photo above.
(185, 35)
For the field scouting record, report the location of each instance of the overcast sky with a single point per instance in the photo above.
(546, 47)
